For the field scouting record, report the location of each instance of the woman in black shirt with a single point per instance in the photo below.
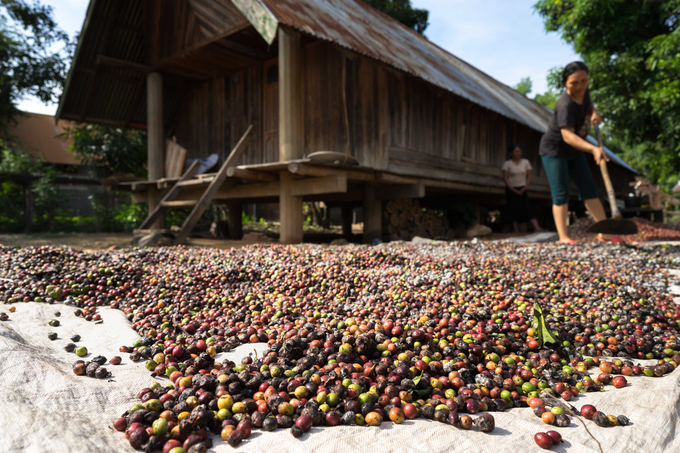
(563, 146)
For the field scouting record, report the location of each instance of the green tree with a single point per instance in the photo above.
(47, 196)
(524, 86)
(549, 98)
(110, 150)
(33, 55)
(404, 12)
(632, 49)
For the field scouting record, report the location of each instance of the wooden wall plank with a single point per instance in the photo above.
(384, 110)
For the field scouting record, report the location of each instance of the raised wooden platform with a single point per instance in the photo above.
(261, 181)
(408, 176)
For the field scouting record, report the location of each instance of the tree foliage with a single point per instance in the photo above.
(404, 12)
(524, 86)
(549, 98)
(47, 196)
(110, 150)
(33, 55)
(632, 49)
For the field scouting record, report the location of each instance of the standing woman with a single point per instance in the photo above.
(517, 176)
(563, 149)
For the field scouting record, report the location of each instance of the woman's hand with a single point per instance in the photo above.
(599, 154)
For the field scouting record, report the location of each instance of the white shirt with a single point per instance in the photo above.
(517, 173)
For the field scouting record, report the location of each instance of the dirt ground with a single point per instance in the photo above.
(103, 241)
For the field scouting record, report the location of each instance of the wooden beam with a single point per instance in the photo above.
(236, 172)
(215, 185)
(245, 50)
(123, 64)
(193, 182)
(317, 186)
(401, 191)
(172, 59)
(410, 169)
(170, 196)
(179, 204)
(290, 95)
(155, 142)
(258, 190)
(403, 157)
(316, 170)
(351, 196)
(372, 215)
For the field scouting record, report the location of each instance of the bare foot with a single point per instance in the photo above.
(567, 240)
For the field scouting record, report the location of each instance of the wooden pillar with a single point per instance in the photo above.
(28, 208)
(372, 215)
(290, 131)
(235, 220)
(346, 219)
(156, 161)
(290, 208)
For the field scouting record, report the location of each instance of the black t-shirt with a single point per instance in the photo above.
(567, 113)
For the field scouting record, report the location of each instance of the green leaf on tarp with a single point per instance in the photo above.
(542, 334)
(417, 379)
(424, 393)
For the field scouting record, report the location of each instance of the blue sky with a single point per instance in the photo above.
(503, 38)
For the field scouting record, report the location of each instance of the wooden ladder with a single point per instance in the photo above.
(187, 180)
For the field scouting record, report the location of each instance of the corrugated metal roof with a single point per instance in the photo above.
(351, 24)
(37, 135)
(356, 26)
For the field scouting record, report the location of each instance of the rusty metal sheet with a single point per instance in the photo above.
(358, 27)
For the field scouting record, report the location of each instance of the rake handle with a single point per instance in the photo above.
(607, 182)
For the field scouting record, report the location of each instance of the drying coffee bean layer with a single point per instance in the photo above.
(360, 335)
(647, 231)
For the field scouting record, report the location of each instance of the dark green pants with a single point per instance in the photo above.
(560, 169)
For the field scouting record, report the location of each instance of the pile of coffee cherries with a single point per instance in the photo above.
(647, 231)
(358, 335)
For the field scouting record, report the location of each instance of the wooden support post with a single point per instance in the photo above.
(155, 163)
(346, 219)
(290, 208)
(235, 225)
(372, 215)
(290, 131)
(28, 208)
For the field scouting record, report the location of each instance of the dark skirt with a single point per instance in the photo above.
(519, 208)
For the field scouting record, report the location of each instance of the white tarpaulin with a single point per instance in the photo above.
(47, 408)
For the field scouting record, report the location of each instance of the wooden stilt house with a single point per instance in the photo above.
(308, 76)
